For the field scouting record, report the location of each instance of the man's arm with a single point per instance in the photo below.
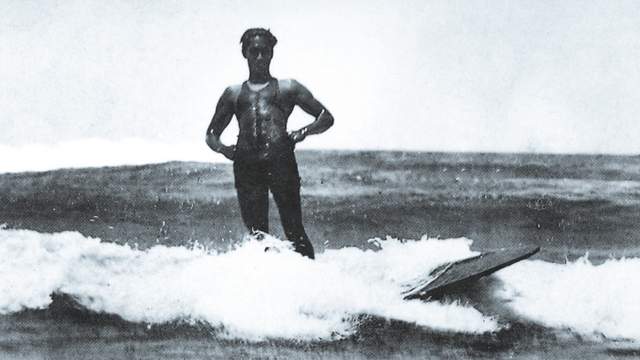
(306, 101)
(221, 118)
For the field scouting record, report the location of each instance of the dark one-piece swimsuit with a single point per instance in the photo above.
(256, 174)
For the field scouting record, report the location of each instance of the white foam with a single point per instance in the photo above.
(600, 300)
(250, 293)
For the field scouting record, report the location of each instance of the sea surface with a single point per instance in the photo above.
(152, 261)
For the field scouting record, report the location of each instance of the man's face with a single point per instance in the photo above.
(259, 53)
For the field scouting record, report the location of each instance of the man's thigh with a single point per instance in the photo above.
(253, 194)
(283, 173)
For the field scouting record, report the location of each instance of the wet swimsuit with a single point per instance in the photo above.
(257, 171)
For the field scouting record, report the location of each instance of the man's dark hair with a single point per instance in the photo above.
(253, 32)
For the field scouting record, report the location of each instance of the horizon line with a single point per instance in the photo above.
(228, 162)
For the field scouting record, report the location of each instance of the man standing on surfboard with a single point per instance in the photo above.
(263, 158)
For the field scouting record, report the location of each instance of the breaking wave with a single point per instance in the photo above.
(251, 294)
(593, 300)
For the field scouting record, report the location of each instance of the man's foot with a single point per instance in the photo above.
(305, 248)
(271, 249)
(258, 235)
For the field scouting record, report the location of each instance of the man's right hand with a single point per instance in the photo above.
(228, 151)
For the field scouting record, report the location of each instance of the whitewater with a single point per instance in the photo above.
(250, 294)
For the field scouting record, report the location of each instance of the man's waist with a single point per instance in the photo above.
(264, 150)
(257, 144)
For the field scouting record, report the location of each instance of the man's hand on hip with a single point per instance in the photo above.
(228, 151)
(298, 135)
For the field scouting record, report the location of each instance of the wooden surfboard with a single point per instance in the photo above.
(452, 276)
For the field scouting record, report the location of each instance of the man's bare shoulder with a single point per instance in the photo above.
(230, 96)
(290, 86)
(232, 91)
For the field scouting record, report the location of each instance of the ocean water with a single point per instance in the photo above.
(253, 296)
(150, 262)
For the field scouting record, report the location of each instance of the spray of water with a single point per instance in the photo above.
(250, 293)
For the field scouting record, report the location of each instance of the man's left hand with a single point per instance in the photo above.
(298, 135)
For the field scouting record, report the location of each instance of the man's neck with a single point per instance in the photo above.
(259, 78)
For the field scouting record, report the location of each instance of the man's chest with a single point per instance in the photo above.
(263, 103)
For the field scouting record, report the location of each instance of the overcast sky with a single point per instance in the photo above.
(516, 76)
